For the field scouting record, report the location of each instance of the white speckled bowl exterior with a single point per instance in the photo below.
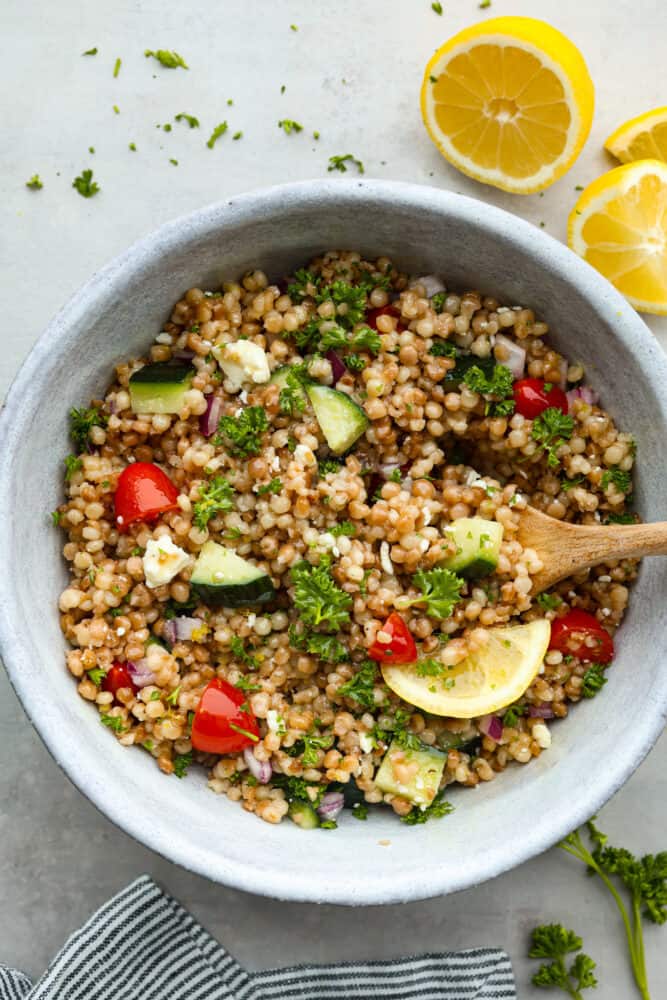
(115, 315)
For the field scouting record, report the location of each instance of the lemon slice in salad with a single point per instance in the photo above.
(487, 680)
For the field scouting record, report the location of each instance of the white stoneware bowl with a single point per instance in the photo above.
(497, 826)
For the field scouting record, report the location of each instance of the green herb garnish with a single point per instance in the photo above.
(214, 498)
(72, 464)
(242, 435)
(554, 942)
(498, 386)
(343, 528)
(113, 722)
(621, 479)
(594, 680)
(551, 429)
(190, 119)
(216, 133)
(339, 163)
(35, 184)
(82, 422)
(170, 60)
(241, 654)
(360, 687)
(327, 648)
(275, 486)
(360, 810)
(319, 600)
(512, 715)
(443, 349)
(549, 602)
(181, 763)
(437, 809)
(90, 52)
(437, 7)
(116, 68)
(441, 591)
(288, 125)
(85, 184)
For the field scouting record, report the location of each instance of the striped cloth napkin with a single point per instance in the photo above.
(142, 945)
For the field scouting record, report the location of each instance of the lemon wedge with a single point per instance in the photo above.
(484, 682)
(619, 225)
(509, 102)
(640, 138)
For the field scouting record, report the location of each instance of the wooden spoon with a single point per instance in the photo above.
(566, 549)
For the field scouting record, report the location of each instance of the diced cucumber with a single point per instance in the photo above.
(160, 387)
(419, 773)
(303, 814)
(477, 546)
(223, 579)
(453, 741)
(341, 419)
(464, 363)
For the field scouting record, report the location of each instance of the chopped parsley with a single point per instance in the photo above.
(170, 60)
(72, 464)
(113, 722)
(90, 52)
(326, 647)
(248, 685)
(327, 465)
(343, 528)
(443, 349)
(437, 809)
(350, 302)
(551, 429)
(441, 590)
(549, 602)
(288, 125)
(241, 654)
(174, 162)
(214, 498)
(97, 675)
(237, 135)
(308, 746)
(174, 608)
(303, 284)
(56, 517)
(360, 687)
(116, 68)
(360, 810)
(319, 600)
(116, 109)
(625, 518)
(366, 339)
(429, 668)
(483, 4)
(181, 763)
(355, 362)
(569, 484)
(292, 399)
(216, 133)
(296, 788)
(172, 697)
(498, 385)
(618, 477)
(512, 715)
(82, 422)
(437, 7)
(85, 184)
(339, 163)
(242, 435)
(132, 146)
(190, 119)
(594, 680)
(35, 183)
(275, 486)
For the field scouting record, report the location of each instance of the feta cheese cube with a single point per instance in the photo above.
(242, 362)
(162, 561)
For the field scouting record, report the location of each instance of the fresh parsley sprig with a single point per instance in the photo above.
(318, 599)
(326, 647)
(497, 388)
(441, 590)
(551, 429)
(168, 59)
(437, 809)
(82, 421)
(242, 435)
(360, 687)
(215, 497)
(555, 942)
(643, 878)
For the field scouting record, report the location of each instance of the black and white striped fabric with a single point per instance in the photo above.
(142, 945)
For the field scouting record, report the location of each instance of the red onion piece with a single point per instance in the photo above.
(209, 420)
(140, 673)
(491, 726)
(516, 356)
(260, 769)
(543, 711)
(338, 368)
(113, 406)
(183, 355)
(562, 370)
(331, 805)
(181, 629)
(584, 393)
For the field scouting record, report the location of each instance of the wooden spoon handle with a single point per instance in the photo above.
(589, 545)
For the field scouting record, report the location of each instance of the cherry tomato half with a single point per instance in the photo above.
(580, 634)
(220, 725)
(400, 648)
(143, 493)
(118, 676)
(532, 398)
(372, 316)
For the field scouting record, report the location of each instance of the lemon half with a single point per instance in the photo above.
(509, 102)
(619, 225)
(482, 683)
(640, 138)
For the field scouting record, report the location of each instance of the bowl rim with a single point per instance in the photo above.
(630, 329)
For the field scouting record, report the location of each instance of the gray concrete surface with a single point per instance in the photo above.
(351, 71)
